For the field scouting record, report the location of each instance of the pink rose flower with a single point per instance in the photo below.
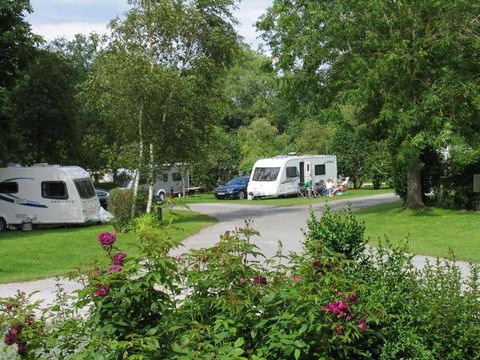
(362, 325)
(296, 278)
(114, 268)
(102, 290)
(118, 258)
(107, 239)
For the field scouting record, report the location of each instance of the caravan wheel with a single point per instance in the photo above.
(3, 224)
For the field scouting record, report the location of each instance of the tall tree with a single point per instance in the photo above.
(167, 56)
(249, 89)
(410, 67)
(258, 140)
(46, 111)
(16, 49)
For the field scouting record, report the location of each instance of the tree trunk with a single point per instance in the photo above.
(414, 190)
(140, 162)
(151, 180)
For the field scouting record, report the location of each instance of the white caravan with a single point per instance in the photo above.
(168, 180)
(47, 194)
(282, 174)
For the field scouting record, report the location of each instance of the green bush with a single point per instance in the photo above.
(120, 205)
(337, 232)
(229, 302)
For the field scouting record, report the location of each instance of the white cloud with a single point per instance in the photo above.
(68, 30)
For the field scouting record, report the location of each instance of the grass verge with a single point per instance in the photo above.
(45, 253)
(429, 232)
(290, 201)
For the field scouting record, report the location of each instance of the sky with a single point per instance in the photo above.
(57, 18)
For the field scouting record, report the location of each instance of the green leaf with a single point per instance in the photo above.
(239, 342)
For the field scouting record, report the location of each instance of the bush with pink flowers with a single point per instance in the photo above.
(230, 302)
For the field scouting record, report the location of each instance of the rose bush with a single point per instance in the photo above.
(230, 302)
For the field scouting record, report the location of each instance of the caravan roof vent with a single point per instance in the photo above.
(41, 164)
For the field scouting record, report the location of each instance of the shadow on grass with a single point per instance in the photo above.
(396, 208)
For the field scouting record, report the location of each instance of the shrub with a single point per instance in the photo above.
(120, 205)
(230, 302)
(337, 232)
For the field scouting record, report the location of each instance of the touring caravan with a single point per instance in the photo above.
(47, 194)
(282, 174)
(168, 180)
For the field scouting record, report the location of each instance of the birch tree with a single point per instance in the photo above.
(172, 55)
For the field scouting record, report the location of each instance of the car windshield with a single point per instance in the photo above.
(237, 181)
(266, 173)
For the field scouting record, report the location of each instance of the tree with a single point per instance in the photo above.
(99, 150)
(16, 49)
(260, 139)
(410, 67)
(249, 89)
(162, 72)
(46, 111)
(313, 138)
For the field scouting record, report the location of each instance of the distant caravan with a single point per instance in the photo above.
(45, 194)
(282, 175)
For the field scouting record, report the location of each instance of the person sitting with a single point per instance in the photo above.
(308, 187)
(328, 187)
(343, 186)
(319, 188)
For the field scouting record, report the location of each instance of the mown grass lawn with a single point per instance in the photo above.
(429, 232)
(45, 253)
(290, 201)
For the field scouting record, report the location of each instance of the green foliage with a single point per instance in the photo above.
(260, 139)
(249, 89)
(120, 205)
(225, 302)
(220, 164)
(456, 189)
(410, 88)
(17, 44)
(45, 108)
(431, 173)
(335, 232)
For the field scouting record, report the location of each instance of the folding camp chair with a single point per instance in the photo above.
(302, 190)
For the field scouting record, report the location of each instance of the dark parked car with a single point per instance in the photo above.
(103, 197)
(234, 189)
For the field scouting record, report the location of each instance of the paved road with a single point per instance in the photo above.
(275, 224)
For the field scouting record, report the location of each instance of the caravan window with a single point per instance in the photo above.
(266, 174)
(85, 188)
(8, 187)
(292, 172)
(165, 177)
(320, 169)
(54, 190)
(176, 177)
